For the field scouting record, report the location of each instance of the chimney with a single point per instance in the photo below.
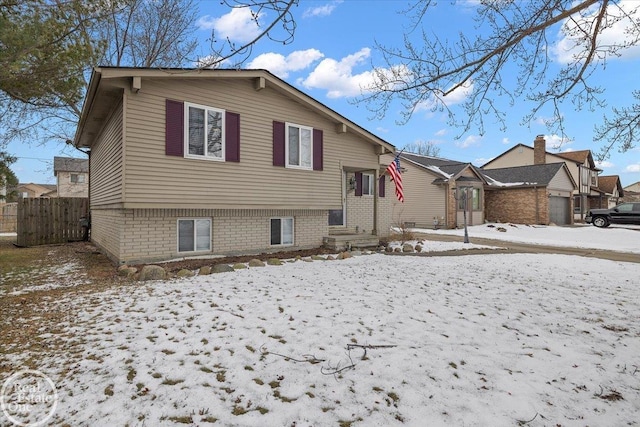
(539, 150)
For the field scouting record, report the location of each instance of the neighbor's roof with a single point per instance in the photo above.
(445, 168)
(580, 156)
(107, 83)
(531, 175)
(609, 183)
(70, 164)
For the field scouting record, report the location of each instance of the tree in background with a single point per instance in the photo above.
(512, 34)
(8, 179)
(423, 148)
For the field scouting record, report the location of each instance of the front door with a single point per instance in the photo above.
(338, 217)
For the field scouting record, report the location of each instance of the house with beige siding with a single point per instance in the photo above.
(611, 186)
(581, 165)
(438, 192)
(72, 175)
(187, 162)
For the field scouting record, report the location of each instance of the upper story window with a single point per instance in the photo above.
(594, 179)
(77, 178)
(204, 132)
(299, 146)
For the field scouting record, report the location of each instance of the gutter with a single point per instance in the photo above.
(96, 75)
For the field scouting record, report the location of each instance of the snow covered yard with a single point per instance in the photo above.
(471, 340)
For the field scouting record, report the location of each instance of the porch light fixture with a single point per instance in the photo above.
(352, 183)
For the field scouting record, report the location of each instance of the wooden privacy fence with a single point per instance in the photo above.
(47, 221)
(8, 218)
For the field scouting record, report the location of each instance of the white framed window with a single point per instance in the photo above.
(194, 234)
(204, 132)
(281, 231)
(298, 146)
(367, 184)
(77, 178)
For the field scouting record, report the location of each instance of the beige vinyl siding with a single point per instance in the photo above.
(106, 163)
(422, 200)
(156, 180)
(561, 185)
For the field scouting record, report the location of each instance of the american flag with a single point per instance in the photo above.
(394, 171)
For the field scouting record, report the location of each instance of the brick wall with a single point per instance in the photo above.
(147, 235)
(517, 205)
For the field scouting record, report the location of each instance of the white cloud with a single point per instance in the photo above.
(482, 160)
(571, 44)
(469, 141)
(633, 168)
(382, 130)
(281, 65)
(441, 132)
(555, 142)
(505, 140)
(604, 164)
(457, 96)
(237, 25)
(321, 11)
(337, 76)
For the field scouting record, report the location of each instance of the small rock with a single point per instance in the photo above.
(298, 257)
(152, 272)
(221, 268)
(185, 273)
(407, 248)
(346, 255)
(397, 250)
(204, 270)
(126, 271)
(318, 258)
(388, 249)
(274, 261)
(418, 248)
(331, 258)
(256, 263)
(501, 229)
(356, 253)
(239, 266)
(308, 259)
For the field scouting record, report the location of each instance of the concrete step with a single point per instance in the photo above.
(351, 241)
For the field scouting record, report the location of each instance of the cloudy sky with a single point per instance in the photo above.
(333, 54)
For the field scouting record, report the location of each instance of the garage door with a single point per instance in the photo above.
(559, 210)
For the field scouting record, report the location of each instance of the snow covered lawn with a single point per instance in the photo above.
(376, 340)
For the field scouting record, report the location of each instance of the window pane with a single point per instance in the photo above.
(287, 231)
(476, 199)
(275, 232)
(185, 235)
(214, 133)
(365, 184)
(294, 146)
(196, 131)
(336, 217)
(305, 148)
(203, 233)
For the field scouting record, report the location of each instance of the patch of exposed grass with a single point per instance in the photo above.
(131, 374)
(207, 370)
(169, 381)
(187, 419)
(221, 376)
(108, 391)
(258, 381)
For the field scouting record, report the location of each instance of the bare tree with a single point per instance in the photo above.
(515, 35)
(280, 28)
(622, 129)
(423, 148)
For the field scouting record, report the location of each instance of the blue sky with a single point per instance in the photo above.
(332, 55)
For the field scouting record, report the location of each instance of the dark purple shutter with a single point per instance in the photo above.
(358, 183)
(381, 182)
(317, 150)
(174, 128)
(232, 137)
(278, 143)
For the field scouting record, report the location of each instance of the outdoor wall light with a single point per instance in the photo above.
(352, 183)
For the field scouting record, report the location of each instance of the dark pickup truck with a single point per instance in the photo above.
(625, 213)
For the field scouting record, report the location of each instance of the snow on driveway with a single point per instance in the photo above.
(620, 238)
(471, 340)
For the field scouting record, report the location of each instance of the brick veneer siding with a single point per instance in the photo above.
(517, 205)
(148, 235)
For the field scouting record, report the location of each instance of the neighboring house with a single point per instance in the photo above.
(202, 162)
(534, 194)
(580, 164)
(72, 175)
(612, 188)
(632, 192)
(437, 191)
(32, 190)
